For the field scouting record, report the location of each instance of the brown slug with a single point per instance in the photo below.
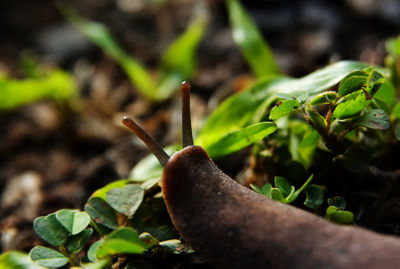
(232, 226)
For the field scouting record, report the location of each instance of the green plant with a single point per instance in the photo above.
(336, 211)
(39, 84)
(286, 193)
(392, 60)
(355, 106)
(110, 213)
(250, 41)
(178, 62)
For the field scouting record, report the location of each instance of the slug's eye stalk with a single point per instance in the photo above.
(157, 150)
(187, 138)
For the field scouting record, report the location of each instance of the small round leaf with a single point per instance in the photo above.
(343, 217)
(283, 108)
(314, 196)
(283, 185)
(123, 240)
(101, 212)
(73, 220)
(93, 249)
(276, 194)
(48, 257)
(125, 200)
(50, 230)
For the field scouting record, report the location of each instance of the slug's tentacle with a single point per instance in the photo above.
(157, 150)
(186, 121)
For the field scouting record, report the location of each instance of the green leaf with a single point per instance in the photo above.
(358, 90)
(324, 98)
(314, 196)
(277, 195)
(352, 82)
(330, 211)
(393, 47)
(179, 60)
(386, 94)
(50, 230)
(237, 140)
(73, 220)
(125, 200)
(378, 103)
(319, 80)
(148, 239)
(317, 121)
(123, 240)
(396, 111)
(128, 234)
(235, 112)
(149, 167)
(368, 79)
(55, 85)
(298, 131)
(93, 249)
(177, 63)
(47, 257)
(374, 81)
(283, 185)
(375, 119)
(351, 107)
(101, 193)
(249, 106)
(256, 189)
(101, 212)
(78, 241)
(150, 184)
(343, 217)
(101, 36)
(339, 216)
(264, 190)
(250, 41)
(307, 147)
(283, 108)
(17, 260)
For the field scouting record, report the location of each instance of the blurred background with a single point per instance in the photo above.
(60, 146)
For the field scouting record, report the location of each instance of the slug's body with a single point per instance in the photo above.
(234, 227)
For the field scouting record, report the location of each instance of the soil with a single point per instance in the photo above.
(54, 155)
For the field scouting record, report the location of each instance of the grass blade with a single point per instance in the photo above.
(253, 47)
(102, 37)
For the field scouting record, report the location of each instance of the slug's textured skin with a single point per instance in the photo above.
(234, 227)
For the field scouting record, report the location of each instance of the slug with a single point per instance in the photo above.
(232, 226)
